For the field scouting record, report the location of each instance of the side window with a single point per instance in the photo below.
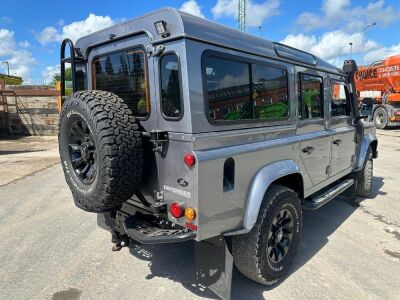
(245, 91)
(340, 101)
(310, 97)
(270, 92)
(124, 73)
(228, 87)
(171, 103)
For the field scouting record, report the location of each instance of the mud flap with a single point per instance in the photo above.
(214, 264)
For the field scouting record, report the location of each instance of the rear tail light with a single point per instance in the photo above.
(190, 213)
(176, 210)
(189, 159)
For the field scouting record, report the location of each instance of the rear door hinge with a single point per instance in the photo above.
(159, 139)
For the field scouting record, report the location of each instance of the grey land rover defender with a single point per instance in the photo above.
(180, 129)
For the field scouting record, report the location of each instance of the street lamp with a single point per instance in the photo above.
(363, 41)
(8, 67)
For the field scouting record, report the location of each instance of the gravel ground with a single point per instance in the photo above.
(52, 250)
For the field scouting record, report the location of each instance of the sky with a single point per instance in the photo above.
(31, 31)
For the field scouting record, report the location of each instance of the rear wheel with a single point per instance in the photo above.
(381, 118)
(267, 251)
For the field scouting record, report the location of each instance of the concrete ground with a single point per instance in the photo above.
(52, 250)
(23, 156)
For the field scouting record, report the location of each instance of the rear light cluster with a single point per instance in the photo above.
(397, 113)
(178, 211)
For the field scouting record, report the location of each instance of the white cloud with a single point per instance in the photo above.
(382, 53)
(24, 44)
(49, 35)
(75, 30)
(331, 44)
(341, 13)
(49, 72)
(192, 7)
(256, 13)
(7, 43)
(19, 60)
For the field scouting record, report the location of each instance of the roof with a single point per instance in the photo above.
(181, 25)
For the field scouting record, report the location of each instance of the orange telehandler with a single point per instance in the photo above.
(378, 89)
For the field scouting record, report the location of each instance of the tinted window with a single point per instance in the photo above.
(339, 103)
(311, 99)
(270, 92)
(232, 95)
(124, 73)
(170, 87)
(228, 86)
(295, 54)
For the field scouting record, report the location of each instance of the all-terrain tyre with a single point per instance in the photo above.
(381, 118)
(101, 150)
(364, 180)
(267, 251)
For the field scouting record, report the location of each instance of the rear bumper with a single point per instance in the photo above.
(145, 230)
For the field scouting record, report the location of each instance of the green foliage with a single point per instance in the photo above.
(12, 80)
(57, 76)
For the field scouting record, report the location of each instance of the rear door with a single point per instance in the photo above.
(315, 145)
(123, 67)
(343, 132)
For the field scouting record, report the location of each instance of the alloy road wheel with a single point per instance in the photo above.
(82, 151)
(280, 236)
(266, 253)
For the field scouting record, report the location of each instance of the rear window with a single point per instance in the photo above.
(124, 74)
(240, 91)
(171, 103)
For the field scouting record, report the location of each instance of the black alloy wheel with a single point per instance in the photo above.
(82, 151)
(280, 236)
(266, 253)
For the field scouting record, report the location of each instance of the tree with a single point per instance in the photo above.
(57, 76)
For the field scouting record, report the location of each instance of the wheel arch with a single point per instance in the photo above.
(368, 141)
(284, 172)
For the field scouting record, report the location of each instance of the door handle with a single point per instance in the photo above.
(337, 142)
(308, 149)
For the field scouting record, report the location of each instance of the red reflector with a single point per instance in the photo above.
(189, 159)
(176, 210)
(191, 226)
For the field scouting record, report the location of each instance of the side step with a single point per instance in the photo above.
(324, 198)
